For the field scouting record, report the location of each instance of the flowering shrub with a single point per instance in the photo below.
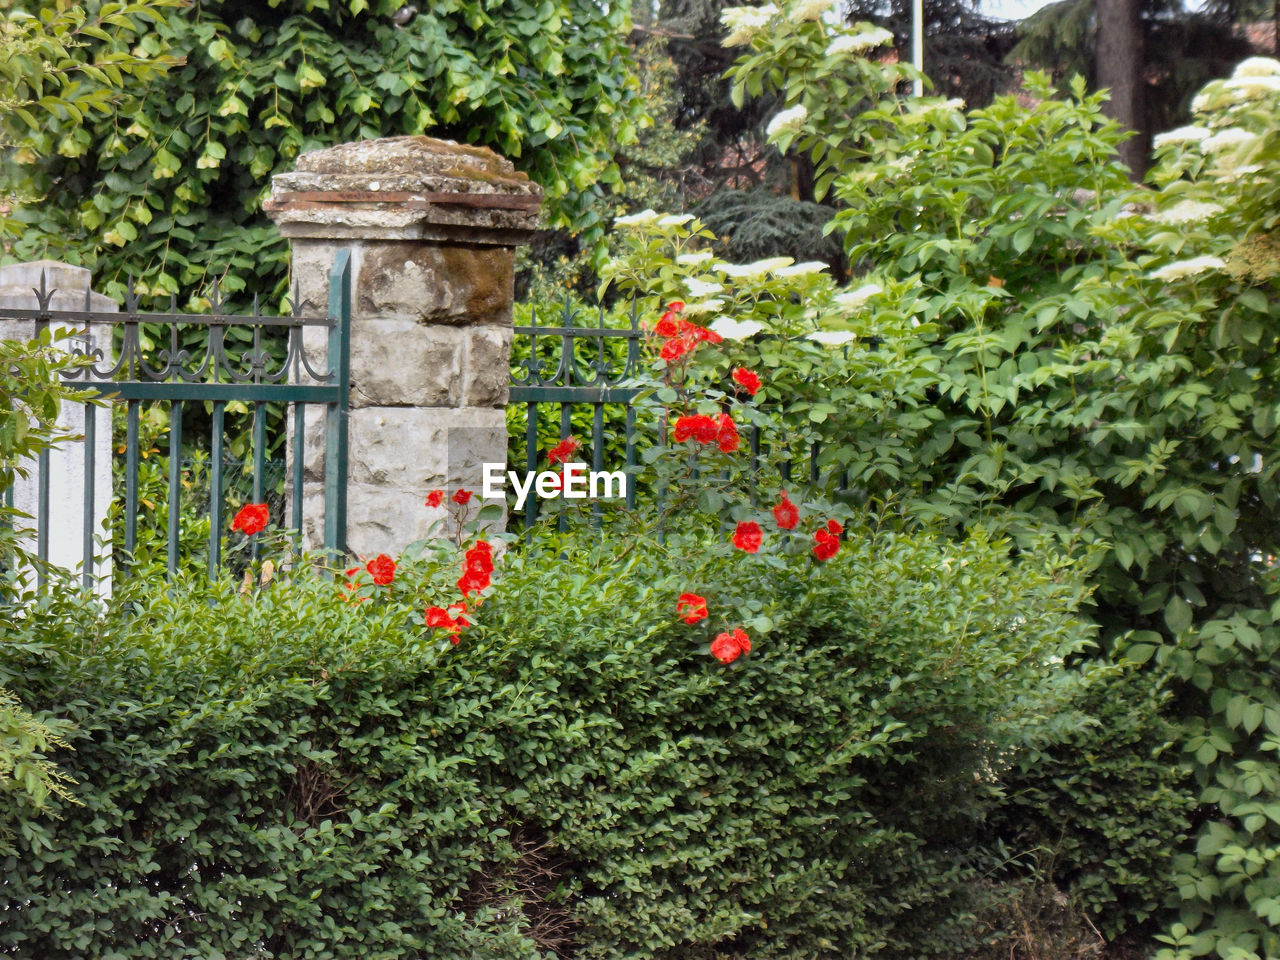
(286, 764)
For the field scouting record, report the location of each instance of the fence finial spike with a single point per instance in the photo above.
(215, 302)
(44, 294)
(257, 311)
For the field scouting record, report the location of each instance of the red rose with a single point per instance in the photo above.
(479, 557)
(691, 607)
(748, 536)
(698, 427)
(727, 647)
(382, 568)
(786, 514)
(835, 527)
(461, 497)
(563, 450)
(251, 518)
(673, 350)
(727, 434)
(827, 545)
(668, 326)
(473, 581)
(452, 619)
(675, 306)
(746, 379)
(707, 335)
(435, 498)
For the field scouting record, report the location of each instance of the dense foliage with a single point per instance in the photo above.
(31, 396)
(170, 190)
(297, 770)
(1058, 352)
(63, 65)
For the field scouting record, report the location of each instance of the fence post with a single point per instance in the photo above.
(75, 478)
(432, 228)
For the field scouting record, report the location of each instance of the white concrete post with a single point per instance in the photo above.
(70, 284)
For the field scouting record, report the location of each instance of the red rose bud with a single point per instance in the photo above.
(786, 514)
(727, 434)
(691, 608)
(747, 380)
(563, 450)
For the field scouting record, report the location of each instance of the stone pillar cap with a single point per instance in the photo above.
(406, 188)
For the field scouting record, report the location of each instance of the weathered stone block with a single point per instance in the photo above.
(396, 455)
(488, 366)
(436, 283)
(403, 363)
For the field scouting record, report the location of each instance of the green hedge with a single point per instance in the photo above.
(283, 773)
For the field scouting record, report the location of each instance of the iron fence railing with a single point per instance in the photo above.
(231, 363)
(578, 369)
(574, 364)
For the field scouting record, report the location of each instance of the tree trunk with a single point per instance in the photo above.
(1120, 59)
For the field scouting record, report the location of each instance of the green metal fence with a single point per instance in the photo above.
(231, 364)
(577, 369)
(575, 365)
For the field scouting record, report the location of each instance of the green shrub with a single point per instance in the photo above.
(1100, 798)
(280, 772)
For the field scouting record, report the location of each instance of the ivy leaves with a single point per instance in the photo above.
(170, 189)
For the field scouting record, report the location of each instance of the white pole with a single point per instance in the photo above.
(917, 43)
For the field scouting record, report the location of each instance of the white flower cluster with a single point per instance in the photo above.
(1257, 67)
(856, 299)
(702, 307)
(1187, 211)
(802, 269)
(695, 258)
(1228, 139)
(787, 121)
(832, 338)
(735, 329)
(645, 218)
(752, 270)
(649, 218)
(1193, 134)
(858, 42)
(1251, 88)
(811, 10)
(1186, 268)
(743, 23)
(701, 288)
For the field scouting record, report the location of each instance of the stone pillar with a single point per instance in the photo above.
(432, 227)
(70, 288)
